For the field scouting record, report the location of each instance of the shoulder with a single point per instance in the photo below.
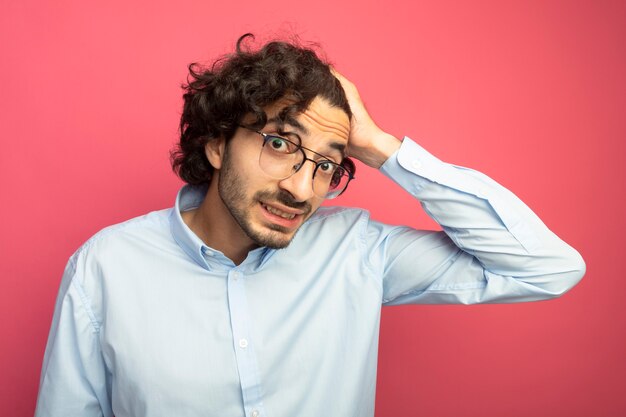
(148, 229)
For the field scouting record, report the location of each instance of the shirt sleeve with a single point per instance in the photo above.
(74, 376)
(493, 248)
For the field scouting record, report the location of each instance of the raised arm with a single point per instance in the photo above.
(493, 248)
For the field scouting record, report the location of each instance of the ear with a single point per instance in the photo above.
(214, 151)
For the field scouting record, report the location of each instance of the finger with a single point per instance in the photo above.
(335, 72)
(348, 86)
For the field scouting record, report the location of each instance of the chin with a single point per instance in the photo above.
(276, 238)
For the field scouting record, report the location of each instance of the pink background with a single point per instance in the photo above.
(532, 93)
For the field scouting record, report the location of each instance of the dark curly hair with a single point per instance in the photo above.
(217, 98)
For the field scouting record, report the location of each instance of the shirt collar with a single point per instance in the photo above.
(190, 197)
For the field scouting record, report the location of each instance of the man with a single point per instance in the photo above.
(247, 298)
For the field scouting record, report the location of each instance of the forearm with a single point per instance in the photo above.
(486, 221)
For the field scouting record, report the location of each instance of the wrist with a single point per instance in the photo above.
(381, 147)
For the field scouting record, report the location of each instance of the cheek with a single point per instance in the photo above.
(241, 168)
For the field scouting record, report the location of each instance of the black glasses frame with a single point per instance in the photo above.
(346, 165)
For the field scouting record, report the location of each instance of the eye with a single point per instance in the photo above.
(277, 143)
(326, 168)
(280, 145)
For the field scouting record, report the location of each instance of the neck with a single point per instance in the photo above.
(216, 227)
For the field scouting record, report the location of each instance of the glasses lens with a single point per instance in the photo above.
(330, 179)
(279, 157)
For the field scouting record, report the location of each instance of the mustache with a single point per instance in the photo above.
(285, 198)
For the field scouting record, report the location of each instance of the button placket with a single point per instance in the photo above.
(249, 376)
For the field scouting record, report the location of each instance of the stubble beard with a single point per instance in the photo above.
(231, 189)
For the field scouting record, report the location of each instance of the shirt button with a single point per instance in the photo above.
(235, 275)
(254, 413)
(243, 343)
(416, 164)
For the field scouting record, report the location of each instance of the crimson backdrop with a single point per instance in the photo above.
(532, 93)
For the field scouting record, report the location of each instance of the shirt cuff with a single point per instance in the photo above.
(413, 158)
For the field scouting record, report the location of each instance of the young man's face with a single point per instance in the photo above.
(270, 211)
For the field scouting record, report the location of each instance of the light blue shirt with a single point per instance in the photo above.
(149, 321)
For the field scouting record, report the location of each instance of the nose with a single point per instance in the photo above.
(300, 184)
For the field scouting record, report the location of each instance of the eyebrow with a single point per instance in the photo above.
(341, 147)
(290, 120)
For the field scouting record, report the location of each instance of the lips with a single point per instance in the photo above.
(281, 215)
(279, 212)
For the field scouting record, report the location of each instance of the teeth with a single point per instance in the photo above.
(277, 212)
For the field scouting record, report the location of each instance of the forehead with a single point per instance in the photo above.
(319, 119)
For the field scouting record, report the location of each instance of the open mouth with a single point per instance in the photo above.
(278, 212)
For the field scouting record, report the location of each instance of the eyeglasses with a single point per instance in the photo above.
(280, 158)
